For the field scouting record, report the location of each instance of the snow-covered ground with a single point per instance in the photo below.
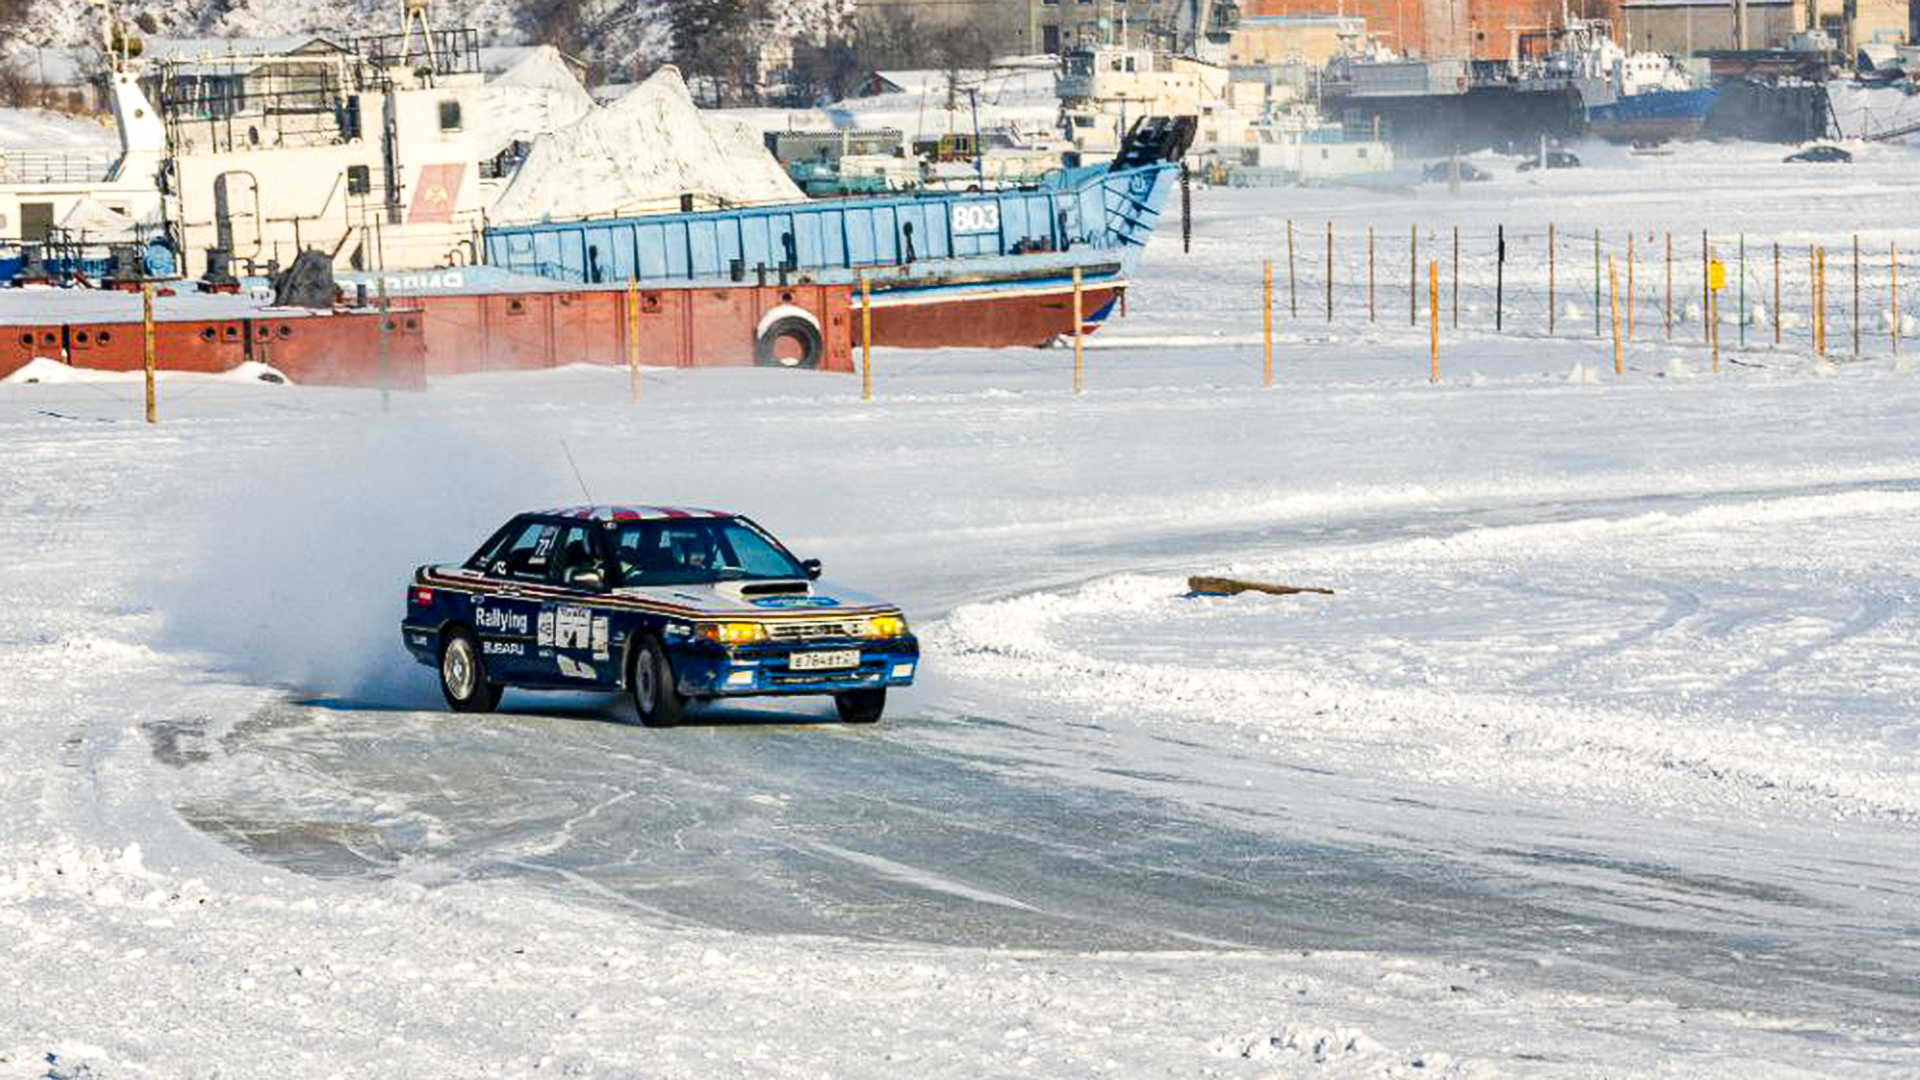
(50, 132)
(1600, 760)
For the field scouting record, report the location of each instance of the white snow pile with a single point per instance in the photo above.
(1859, 110)
(538, 94)
(93, 220)
(640, 155)
(40, 130)
(42, 370)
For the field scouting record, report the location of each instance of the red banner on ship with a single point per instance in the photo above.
(434, 197)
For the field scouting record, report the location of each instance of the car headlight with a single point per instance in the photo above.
(887, 626)
(731, 633)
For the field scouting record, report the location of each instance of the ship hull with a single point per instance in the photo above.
(1654, 116)
(994, 319)
(1481, 118)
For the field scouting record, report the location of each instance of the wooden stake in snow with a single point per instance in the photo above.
(1266, 320)
(1201, 585)
(146, 333)
(1613, 294)
(633, 338)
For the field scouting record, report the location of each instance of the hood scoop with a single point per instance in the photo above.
(749, 591)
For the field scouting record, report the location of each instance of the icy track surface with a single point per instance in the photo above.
(1601, 760)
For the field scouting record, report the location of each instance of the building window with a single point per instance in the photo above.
(359, 180)
(450, 116)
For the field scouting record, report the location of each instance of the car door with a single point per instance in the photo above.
(507, 615)
(575, 629)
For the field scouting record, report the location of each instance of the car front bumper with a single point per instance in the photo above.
(743, 671)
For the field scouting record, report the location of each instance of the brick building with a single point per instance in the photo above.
(1451, 29)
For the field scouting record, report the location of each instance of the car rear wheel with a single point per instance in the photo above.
(655, 696)
(861, 706)
(463, 676)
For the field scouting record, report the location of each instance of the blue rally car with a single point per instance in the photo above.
(673, 605)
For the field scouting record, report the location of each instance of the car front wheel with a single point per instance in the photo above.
(655, 697)
(463, 676)
(861, 706)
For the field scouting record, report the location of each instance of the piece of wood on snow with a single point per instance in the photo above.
(1201, 585)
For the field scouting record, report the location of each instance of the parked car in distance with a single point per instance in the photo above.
(672, 605)
(1442, 172)
(1556, 159)
(1821, 155)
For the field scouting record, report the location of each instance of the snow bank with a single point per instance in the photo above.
(537, 95)
(640, 155)
(41, 131)
(55, 372)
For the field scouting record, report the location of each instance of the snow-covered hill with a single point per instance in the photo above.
(622, 33)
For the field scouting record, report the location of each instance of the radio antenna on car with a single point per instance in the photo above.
(576, 470)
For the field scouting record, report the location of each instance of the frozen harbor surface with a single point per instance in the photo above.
(1600, 759)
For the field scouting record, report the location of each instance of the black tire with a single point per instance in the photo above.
(655, 697)
(861, 706)
(463, 675)
(800, 332)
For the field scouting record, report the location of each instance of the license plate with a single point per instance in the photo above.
(826, 660)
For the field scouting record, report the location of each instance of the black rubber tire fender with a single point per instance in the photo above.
(813, 345)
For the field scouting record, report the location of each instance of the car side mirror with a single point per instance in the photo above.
(586, 578)
(812, 567)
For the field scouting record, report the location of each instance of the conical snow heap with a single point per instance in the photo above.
(640, 155)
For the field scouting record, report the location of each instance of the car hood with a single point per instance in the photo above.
(759, 598)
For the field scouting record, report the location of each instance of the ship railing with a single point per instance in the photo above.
(1103, 210)
(52, 167)
(444, 52)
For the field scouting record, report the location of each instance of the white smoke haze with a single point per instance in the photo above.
(303, 559)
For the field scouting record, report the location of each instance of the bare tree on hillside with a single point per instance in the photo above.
(965, 48)
(559, 23)
(18, 87)
(717, 42)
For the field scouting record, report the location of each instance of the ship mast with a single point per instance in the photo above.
(417, 13)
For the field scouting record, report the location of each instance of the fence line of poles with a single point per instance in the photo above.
(1627, 266)
(1617, 282)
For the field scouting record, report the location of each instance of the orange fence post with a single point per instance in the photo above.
(1266, 319)
(1613, 303)
(866, 337)
(1433, 321)
(633, 339)
(1078, 321)
(146, 329)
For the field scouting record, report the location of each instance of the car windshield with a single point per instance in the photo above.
(698, 551)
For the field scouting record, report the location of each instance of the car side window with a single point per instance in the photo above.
(527, 557)
(575, 553)
(494, 548)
